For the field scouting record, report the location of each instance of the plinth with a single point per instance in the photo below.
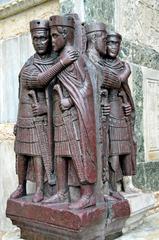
(56, 222)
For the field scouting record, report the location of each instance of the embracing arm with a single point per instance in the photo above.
(114, 80)
(123, 76)
(41, 80)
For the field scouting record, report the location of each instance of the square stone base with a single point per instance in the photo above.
(56, 222)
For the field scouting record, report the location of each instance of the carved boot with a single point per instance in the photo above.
(19, 192)
(128, 185)
(62, 195)
(38, 196)
(87, 199)
(59, 197)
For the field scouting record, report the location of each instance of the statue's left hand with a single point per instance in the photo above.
(127, 109)
(38, 110)
(66, 103)
(105, 110)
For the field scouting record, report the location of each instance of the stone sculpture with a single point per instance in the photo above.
(74, 120)
(96, 52)
(122, 146)
(32, 131)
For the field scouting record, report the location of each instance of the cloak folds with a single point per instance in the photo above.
(76, 80)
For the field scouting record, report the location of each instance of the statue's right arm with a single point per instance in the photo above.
(41, 80)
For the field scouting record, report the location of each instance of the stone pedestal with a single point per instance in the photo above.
(117, 214)
(58, 222)
(52, 222)
(139, 205)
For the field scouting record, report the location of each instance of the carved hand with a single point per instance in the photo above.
(69, 57)
(66, 103)
(105, 110)
(127, 109)
(38, 109)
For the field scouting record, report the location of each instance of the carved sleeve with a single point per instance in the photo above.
(111, 80)
(33, 79)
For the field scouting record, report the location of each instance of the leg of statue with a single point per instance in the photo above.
(115, 172)
(22, 165)
(87, 198)
(62, 182)
(39, 175)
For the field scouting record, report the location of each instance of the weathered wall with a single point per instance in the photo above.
(138, 21)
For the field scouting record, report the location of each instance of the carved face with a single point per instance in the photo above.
(58, 40)
(40, 39)
(100, 43)
(113, 46)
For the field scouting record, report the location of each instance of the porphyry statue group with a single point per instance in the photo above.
(76, 116)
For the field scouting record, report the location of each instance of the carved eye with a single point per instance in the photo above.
(54, 35)
(38, 22)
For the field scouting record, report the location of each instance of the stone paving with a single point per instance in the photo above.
(149, 230)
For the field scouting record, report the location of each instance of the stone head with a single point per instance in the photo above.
(62, 31)
(40, 36)
(113, 44)
(96, 37)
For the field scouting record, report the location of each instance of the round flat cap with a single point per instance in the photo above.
(63, 21)
(114, 34)
(39, 24)
(95, 27)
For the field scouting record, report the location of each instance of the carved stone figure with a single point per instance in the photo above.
(74, 120)
(96, 52)
(122, 146)
(33, 134)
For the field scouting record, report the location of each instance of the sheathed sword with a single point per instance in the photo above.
(46, 155)
(105, 137)
(70, 130)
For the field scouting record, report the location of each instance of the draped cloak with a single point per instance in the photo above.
(76, 80)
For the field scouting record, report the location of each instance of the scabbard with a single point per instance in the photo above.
(41, 127)
(105, 150)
